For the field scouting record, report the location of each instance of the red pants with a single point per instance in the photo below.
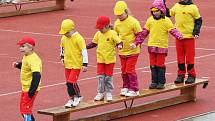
(106, 69)
(72, 75)
(186, 54)
(129, 75)
(157, 59)
(26, 103)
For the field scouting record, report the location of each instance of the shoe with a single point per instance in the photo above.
(132, 93)
(190, 80)
(99, 96)
(179, 79)
(123, 91)
(153, 86)
(109, 97)
(69, 103)
(160, 86)
(76, 101)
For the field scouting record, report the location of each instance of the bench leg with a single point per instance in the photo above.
(60, 3)
(65, 117)
(191, 91)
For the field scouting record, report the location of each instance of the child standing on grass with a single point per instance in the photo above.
(106, 41)
(31, 68)
(188, 22)
(127, 27)
(74, 58)
(157, 27)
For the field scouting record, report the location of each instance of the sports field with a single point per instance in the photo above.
(44, 27)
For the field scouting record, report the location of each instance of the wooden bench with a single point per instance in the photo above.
(59, 5)
(187, 93)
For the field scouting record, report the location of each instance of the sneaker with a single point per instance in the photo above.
(76, 101)
(190, 80)
(109, 97)
(179, 79)
(99, 96)
(69, 103)
(124, 91)
(132, 93)
(153, 86)
(160, 86)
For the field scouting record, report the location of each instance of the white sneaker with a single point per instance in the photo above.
(109, 97)
(76, 101)
(132, 93)
(69, 103)
(99, 96)
(123, 91)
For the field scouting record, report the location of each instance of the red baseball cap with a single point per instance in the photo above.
(102, 21)
(26, 40)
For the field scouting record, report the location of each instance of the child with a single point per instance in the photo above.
(127, 28)
(158, 26)
(106, 40)
(74, 58)
(31, 68)
(188, 22)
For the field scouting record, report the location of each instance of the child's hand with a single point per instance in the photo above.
(132, 45)
(84, 68)
(14, 64)
(196, 36)
(119, 46)
(62, 61)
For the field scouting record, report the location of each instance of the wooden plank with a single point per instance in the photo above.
(65, 117)
(138, 109)
(29, 11)
(143, 93)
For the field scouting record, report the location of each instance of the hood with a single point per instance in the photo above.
(159, 4)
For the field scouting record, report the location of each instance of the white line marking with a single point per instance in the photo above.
(57, 84)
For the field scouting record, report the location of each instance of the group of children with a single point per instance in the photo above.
(127, 36)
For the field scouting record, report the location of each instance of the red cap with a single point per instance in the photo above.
(26, 40)
(102, 21)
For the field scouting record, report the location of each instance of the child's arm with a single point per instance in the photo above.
(174, 32)
(34, 84)
(91, 45)
(17, 65)
(141, 36)
(119, 45)
(85, 59)
(62, 54)
(197, 27)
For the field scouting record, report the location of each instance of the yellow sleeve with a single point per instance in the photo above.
(116, 38)
(196, 13)
(147, 25)
(172, 11)
(95, 38)
(169, 24)
(61, 42)
(137, 27)
(81, 43)
(35, 65)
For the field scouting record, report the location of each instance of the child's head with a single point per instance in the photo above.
(26, 45)
(158, 9)
(103, 24)
(121, 10)
(66, 27)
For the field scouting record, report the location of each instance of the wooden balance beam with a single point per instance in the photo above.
(59, 5)
(187, 93)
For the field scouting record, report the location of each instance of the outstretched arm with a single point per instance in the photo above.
(91, 45)
(141, 36)
(174, 32)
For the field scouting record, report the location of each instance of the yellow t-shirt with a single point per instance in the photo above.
(127, 30)
(31, 63)
(158, 29)
(73, 50)
(106, 42)
(185, 16)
